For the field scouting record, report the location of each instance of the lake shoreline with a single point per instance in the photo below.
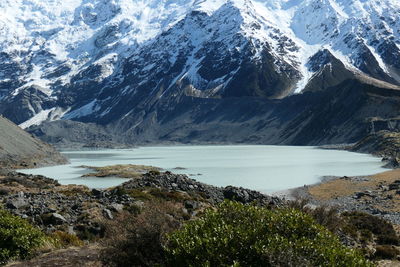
(300, 191)
(264, 168)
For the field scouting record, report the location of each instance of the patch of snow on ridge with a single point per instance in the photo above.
(44, 115)
(83, 111)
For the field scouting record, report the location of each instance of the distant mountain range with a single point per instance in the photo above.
(256, 71)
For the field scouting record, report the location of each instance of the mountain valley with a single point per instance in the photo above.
(214, 71)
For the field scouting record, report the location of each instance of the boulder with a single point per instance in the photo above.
(17, 203)
(57, 219)
(108, 214)
(116, 207)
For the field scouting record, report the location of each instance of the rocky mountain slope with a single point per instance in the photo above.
(20, 149)
(148, 71)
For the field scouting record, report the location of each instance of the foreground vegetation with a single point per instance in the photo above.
(231, 234)
(146, 224)
(238, 235)
(18, 239)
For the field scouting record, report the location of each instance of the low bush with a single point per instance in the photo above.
(386, 252)
(168, 195)
(370, 226)
(18, 239)
(324, 215)
(137, 240)
(238, 235)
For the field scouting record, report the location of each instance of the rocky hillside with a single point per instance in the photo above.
(194, 64)
(345, 113)
(382, 143)
(20, 149)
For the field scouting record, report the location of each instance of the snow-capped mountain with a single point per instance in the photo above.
(108, 60)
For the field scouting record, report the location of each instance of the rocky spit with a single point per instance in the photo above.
(181, 182)
(80, 210)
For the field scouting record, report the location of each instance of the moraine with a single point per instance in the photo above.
(264, 168)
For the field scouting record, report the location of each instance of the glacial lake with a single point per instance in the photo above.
(264, 168)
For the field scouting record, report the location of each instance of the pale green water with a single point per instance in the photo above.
(263, 168)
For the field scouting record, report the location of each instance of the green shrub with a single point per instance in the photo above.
(18, 239)
(240, 235)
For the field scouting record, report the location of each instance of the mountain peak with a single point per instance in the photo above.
(77, 58)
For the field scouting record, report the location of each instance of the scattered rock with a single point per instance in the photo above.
(108, 214)
(190, 204)
(116, 207)
(16, 203)
(57, 219)
(180, 182)
(394, 186)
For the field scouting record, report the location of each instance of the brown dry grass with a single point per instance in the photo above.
(345, 187)
(388, 263)
(123, 171)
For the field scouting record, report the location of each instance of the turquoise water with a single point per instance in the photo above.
(264, 168)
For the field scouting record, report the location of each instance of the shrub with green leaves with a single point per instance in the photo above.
(17, 237)
(240, 235)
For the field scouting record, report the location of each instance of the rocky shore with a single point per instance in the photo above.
(87, 213)
(80, 210)
(375, 194)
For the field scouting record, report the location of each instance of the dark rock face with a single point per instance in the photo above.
(336, 115)
(27, 104)
(65, 133)
(384, 143)
(329, 71)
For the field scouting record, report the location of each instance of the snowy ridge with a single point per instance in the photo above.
(84, 55)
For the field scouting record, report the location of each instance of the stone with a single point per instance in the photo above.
(394, 186)
(57, 219)
(108, 214)
(116, 207)
(97, 193)
(189, 204)
(71, 230)
(17, 203)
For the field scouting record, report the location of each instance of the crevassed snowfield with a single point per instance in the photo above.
(264, 168)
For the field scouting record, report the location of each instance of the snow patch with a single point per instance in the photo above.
(83, 111)
(44, 115)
